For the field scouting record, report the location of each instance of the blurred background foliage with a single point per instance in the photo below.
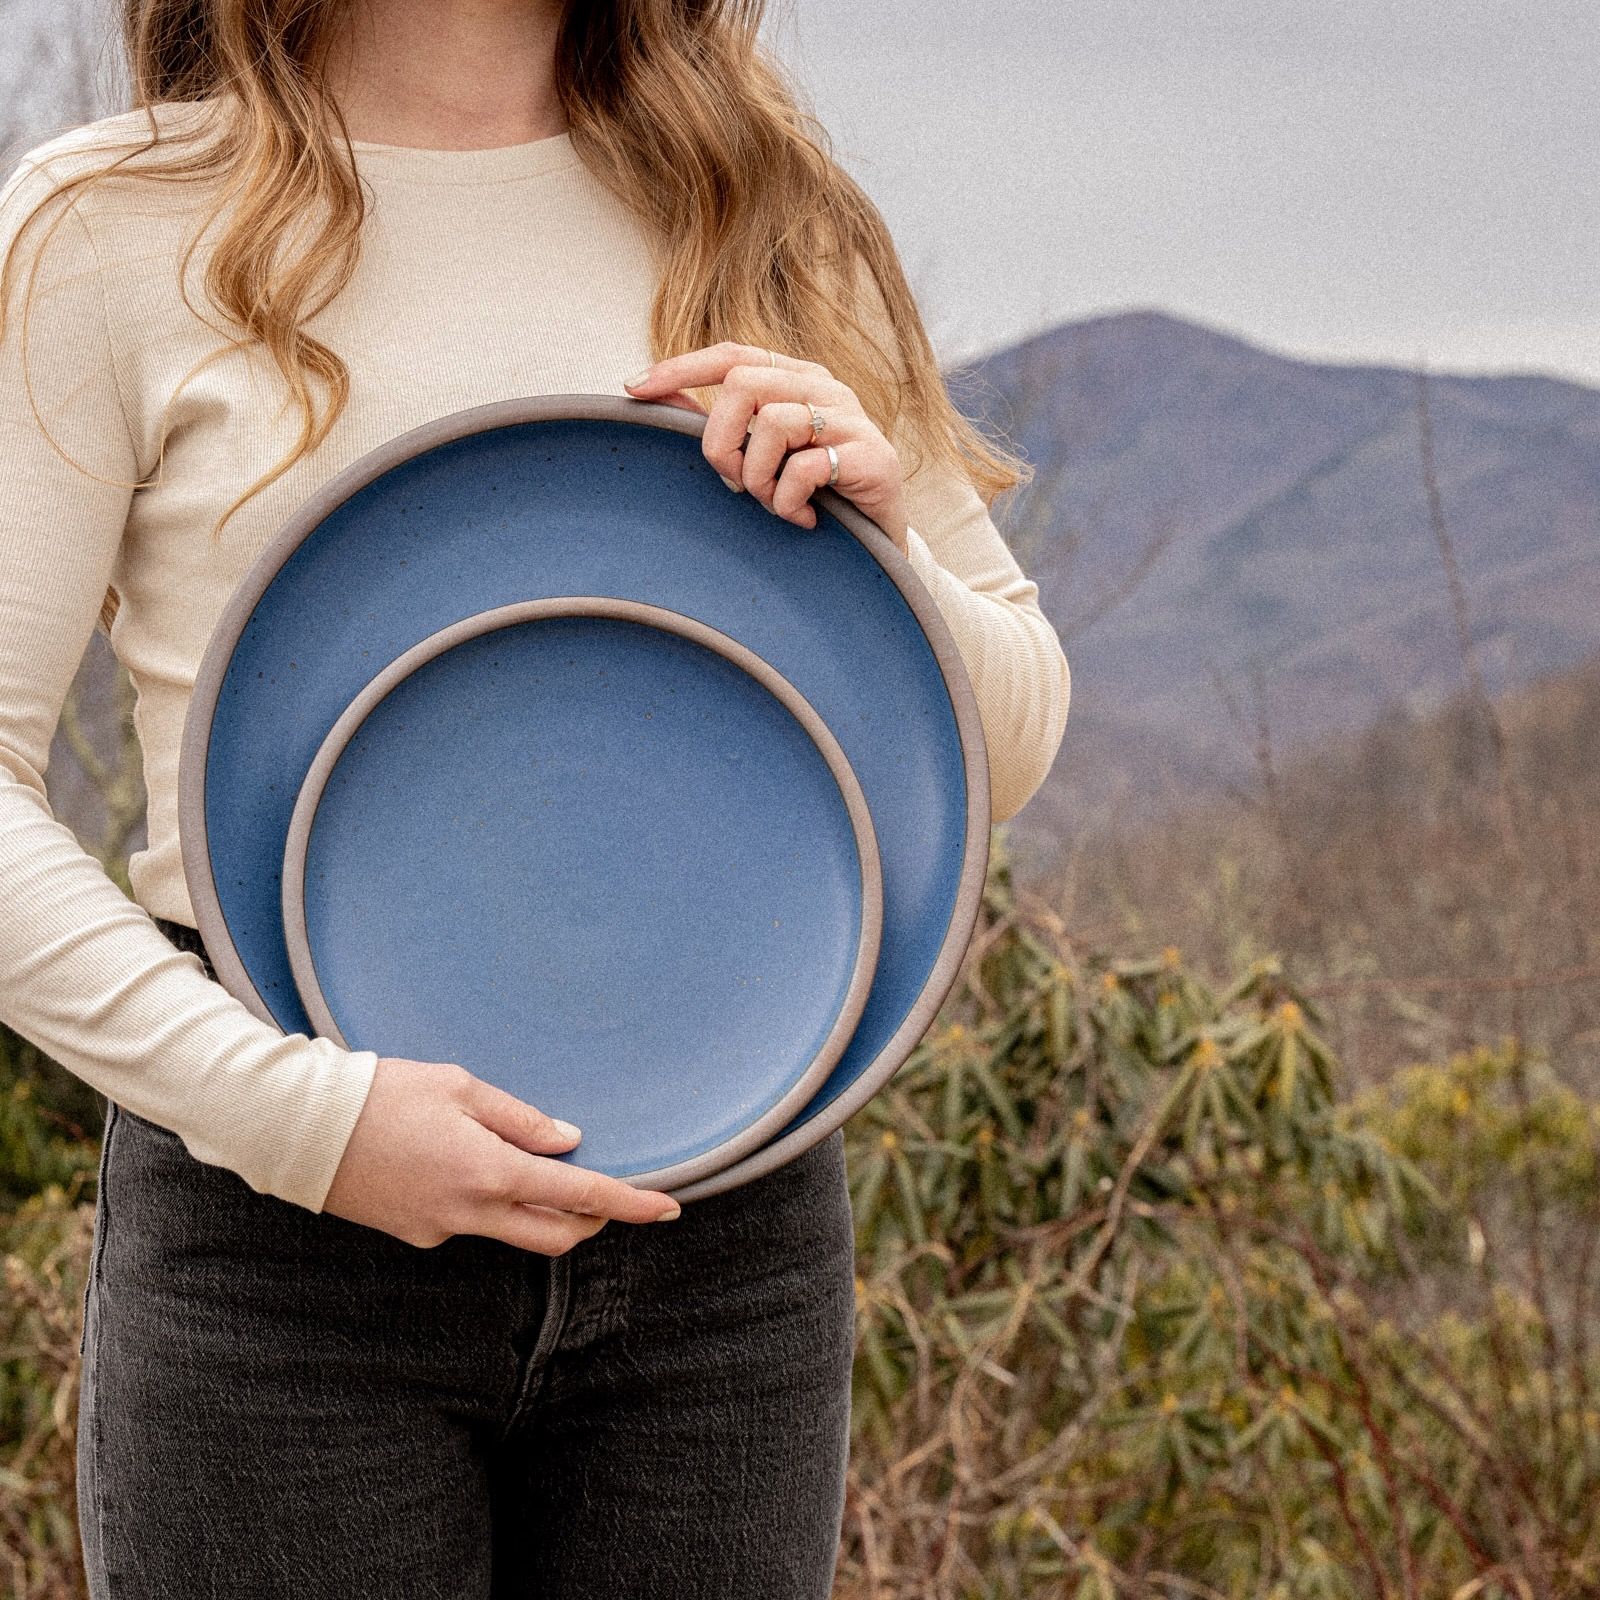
(1150, 1303)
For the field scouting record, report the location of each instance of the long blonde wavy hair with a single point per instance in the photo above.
(674, 105)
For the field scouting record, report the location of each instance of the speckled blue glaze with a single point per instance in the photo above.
(584, 506)
(603, 866)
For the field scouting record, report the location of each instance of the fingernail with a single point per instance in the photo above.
(668, 1216)
(566, 1129)
(738, 488)
(637, 379)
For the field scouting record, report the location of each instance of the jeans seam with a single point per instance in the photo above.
(102, 1213)
(558, 1302)
(102, 1200)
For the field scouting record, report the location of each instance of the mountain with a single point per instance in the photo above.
(1204, 509)
(1208, 515)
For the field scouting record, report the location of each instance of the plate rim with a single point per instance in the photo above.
(430, 648)
(587, 407)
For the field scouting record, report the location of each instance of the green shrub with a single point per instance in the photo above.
(47, 1177)
(1145, 1309)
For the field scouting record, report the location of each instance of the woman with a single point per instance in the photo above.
(349, 1330)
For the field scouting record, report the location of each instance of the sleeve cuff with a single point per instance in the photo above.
(330, 1117)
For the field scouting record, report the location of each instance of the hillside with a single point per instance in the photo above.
(1206, 508)
(1379, 867)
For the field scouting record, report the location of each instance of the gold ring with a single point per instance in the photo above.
(772, 357)
(818, 423)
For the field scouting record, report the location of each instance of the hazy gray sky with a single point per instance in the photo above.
(1366, 180)
(1353, 179)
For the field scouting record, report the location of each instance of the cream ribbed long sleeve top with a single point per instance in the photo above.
(484, 274)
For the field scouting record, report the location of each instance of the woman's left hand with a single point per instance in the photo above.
(759, 433)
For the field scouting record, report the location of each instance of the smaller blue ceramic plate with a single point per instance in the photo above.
(602, 855)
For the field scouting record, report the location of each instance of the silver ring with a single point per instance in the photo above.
(833, 465)
(772, 357)
(818, 423)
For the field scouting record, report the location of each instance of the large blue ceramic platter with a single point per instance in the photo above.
(632, 862)
(591, 495)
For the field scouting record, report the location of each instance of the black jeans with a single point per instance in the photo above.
(277, 1402)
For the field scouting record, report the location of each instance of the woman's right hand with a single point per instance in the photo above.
(437, 1151)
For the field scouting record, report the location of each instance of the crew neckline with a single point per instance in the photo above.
(489, 164)
(405, 163)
